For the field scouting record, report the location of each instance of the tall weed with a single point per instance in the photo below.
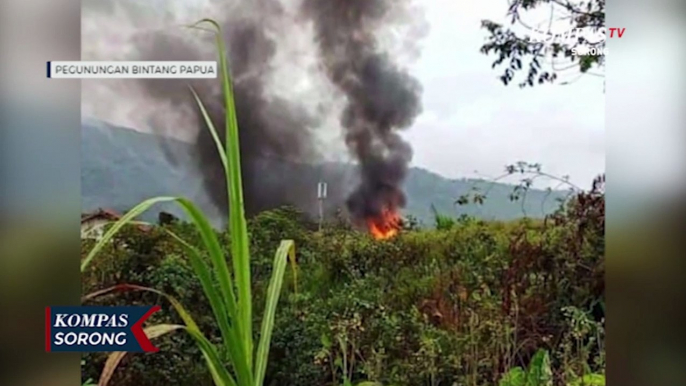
(228, 290)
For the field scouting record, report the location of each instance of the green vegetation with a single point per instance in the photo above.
(463, 305)
(469, 303)
(89, 381)
(429, 193)
(239, 363)
(539, 373)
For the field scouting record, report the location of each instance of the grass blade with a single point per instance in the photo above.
(207, 234)
(214, 250)
(232, 307)
(126, 219)
(230, 336)
(115, 358)
(239, 229)
(219, 373)
(111, 364)
(220, 376)
(239, 232)
(213, 131)
(286, 250)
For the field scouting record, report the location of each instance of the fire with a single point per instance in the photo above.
(385, 226)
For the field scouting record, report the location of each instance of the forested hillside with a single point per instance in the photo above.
(120, 167)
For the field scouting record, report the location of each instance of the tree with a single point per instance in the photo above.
(563, 52)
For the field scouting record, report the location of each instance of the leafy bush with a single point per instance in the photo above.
(463, 305)
(539, 373)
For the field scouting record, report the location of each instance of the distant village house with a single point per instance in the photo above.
(93, 224)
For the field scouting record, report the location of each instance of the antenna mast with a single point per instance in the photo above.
(321, 196)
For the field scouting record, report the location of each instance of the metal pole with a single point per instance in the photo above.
(321, 195)
(321, 213)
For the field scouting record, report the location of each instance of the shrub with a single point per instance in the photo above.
(463, 305)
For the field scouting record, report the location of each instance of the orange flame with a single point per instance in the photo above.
(385, 226)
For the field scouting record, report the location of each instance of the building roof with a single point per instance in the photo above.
(104, 214)
(108, 215)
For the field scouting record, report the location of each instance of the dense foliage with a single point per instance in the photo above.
(459, 305)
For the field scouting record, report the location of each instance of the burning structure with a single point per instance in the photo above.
(379, 99)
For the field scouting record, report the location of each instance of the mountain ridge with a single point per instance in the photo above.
(122, 166)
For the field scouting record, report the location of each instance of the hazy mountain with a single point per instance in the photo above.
(425, 189)
(120, 167)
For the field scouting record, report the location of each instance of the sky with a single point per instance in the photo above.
(471, 125)
(472, 122)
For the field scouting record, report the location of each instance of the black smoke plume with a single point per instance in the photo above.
(276, 142)
(380, 97)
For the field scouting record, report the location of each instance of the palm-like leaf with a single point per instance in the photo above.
(231, 302)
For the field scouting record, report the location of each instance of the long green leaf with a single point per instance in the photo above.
(115, 358)
(213, 131)
(286, 250)
(239, 232)
(127, 218)
(233, 310)
(239, 229)
(207, 234)
(210, 241)
(230, 336)
(219, 373)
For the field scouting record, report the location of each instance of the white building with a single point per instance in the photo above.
(92, 224)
